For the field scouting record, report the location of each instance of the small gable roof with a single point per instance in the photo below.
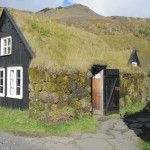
(134, 58)
(8, 15)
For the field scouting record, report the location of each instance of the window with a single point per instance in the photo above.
(15, 82)
(134, 64)
(6, 46)
(2, 82)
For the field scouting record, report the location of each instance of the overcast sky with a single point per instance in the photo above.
(133, 8)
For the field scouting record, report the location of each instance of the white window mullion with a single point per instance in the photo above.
(15, 81)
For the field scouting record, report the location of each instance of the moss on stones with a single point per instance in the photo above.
(50, 92)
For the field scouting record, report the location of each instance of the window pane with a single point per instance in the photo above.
(18, 91)
(5, 42)
(1, 89)
(18, 73)
(1, 74)
(18, 82)
(1, 81)
(9, 41)
(5, 50)
(9, 50)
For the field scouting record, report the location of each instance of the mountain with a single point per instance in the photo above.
(82, 17)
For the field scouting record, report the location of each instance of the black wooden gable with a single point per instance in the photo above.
(134, 58)
(6, 14)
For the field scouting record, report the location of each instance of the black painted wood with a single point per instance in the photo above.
(21, 56)
(111, 91)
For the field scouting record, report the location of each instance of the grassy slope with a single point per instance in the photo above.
(59, 47)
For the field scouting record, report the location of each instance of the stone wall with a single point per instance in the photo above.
(134, 88)
(56, 97)
(50, 92)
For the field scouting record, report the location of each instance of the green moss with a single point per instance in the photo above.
(131, 88)
(38, 87)
(76, 104)
(36, 76)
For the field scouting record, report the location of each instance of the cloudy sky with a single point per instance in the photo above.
(133, 8)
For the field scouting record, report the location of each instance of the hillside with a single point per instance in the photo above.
(82, 17)
(59, 47)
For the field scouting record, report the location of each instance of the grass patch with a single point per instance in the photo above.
(144, 145)
(113, 116)
(17, 121)
(132, 109)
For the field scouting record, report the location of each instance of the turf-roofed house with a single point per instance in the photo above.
(15, 56)
(62, 71)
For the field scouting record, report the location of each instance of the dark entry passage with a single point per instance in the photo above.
(111, 91)
(105, 90)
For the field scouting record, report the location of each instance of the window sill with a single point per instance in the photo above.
(2, 95)
(5, 55)
(12, 96)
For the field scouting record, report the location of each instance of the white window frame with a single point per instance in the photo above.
(134, 64)
(14, 95)
(3, 46)
(3, 85)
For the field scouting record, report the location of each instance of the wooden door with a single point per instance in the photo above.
(97, 93)
(111, 91)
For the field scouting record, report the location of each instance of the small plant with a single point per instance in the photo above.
(131, 109)
(144, 145)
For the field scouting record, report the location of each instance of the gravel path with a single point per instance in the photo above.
(112, 134)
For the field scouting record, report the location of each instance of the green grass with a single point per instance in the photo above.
(144, 145)
(71, 49)
(132, 109)
(113, 116)
(17, 121)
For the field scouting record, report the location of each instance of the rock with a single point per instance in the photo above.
(43, 116)
(138, 131)
(120, 126)
(44, 96)
(54, 107)
(89, 74)
(79, 94)
(72, 86)
(147, 125)
(144, 119)
(33, 96)
(131, 120)
(54, 98)
(31, 89)
(136, 125)
(86, 105)
(64, 98)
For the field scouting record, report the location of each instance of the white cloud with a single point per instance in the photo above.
(135, 8)
(32, 5)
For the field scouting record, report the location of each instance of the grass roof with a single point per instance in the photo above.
(61, 48)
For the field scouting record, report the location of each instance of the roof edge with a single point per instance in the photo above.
(6, 11)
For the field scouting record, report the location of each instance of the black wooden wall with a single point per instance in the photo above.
(19, 57)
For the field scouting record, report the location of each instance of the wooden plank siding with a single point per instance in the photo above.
(111, 92)
(19, 57)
